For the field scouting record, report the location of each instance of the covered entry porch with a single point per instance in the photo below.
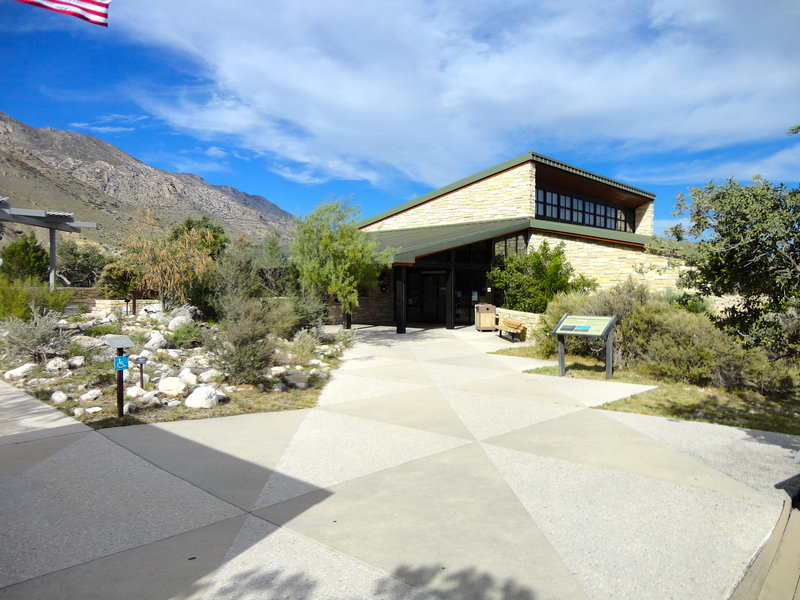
(440, 273)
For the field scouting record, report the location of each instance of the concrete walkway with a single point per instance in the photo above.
(429, 470)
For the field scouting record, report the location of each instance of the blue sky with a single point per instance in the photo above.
(384, 101)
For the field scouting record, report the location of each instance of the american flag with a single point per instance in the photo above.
(94, 11)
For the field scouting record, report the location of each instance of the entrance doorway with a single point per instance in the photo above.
(427, 296)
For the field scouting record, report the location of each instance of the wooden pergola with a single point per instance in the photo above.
(51, 220)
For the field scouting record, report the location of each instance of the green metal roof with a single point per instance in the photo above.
(412, 243)
(504, 166)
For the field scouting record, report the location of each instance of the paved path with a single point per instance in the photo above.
(429, 470)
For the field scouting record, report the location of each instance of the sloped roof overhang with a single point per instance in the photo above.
(554, 173)
(410, 244)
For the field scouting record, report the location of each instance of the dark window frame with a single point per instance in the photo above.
(566, 207)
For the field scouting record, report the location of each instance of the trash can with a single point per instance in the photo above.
(484, 317)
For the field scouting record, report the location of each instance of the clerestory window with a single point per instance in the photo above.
(553, 205)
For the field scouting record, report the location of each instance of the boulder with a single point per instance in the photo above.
(56, 364)
(187, 311)
(93, 410)
(151, 397)
(189, 377)
(134, 392)
(85, 341)
(75, 362)
(78, 411)
(172, 386)
(58, 397)
(90, 395)
(173, 403)
(279, 387)
(178, 321)
(20, 372)
(203, 396)
(209, 376)
(160, 318)
(296, 379)
(155, 342)
(128, 408)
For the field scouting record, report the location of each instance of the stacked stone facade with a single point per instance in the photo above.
(609, 263)
(505, 195)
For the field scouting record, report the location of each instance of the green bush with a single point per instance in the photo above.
(18, 297)
(79, 266)
(666, 341)
(529, 281)
(188, 335)
(34, 339)
(25, 258)
(244, 347)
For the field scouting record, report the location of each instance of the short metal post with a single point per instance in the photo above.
(141, 375)
(562, 369)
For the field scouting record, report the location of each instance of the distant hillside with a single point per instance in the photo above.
(70, 172)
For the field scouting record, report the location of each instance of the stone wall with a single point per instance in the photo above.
(505, 195)
(644, 219)
(609, 263)
(530, 320)
(374, 306)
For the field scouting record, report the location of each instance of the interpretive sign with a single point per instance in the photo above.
(585, 326)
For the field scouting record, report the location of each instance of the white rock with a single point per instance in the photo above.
(173, 403)
(78, 411)
(203, 396)
(56, 364)
(58, 397)
(155, 342)
(147, 354)
(134, 392)
(178, 321)
(222, 395)
(278, 371)
(85, 341)
(93, 410)
(161, 318)
(189, 377)
(172, 386)
(19, 372)
(76, 362)
(90, 395)
(128, 408)
(151, 397)
(174, 353)
(209, 376)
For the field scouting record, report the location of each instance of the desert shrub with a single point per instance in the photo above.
(280, 316)
(19, 297)
(188, 335)
(686, 301)
(304, 346)
(666, 341)
(244, 347)
(34, 339)
(101, 329)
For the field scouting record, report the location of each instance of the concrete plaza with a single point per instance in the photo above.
(430, 469)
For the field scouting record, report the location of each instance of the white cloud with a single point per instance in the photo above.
(435, 91)
(215, 152)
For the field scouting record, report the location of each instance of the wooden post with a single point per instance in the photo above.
(120, 352)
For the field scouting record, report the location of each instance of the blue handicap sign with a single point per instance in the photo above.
(120, 363)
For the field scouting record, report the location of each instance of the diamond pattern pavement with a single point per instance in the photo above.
(430, 469)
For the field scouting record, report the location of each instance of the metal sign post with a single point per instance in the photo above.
(141, 361)
(120, 342)
(586, 326)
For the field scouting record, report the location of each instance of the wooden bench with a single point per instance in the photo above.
(513, 327)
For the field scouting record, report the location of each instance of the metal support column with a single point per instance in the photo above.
(52, 259)
(450, 295)
(400, 279)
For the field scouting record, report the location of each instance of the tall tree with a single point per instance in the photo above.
(24, 257)
(333, 256)
(747, 245)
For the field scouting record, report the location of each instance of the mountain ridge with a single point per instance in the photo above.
(54, 169)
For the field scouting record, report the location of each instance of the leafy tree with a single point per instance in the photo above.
(213, 235)
(25, 257)
(79, 266)
(333, 256)
(747, 245)
(529, 281)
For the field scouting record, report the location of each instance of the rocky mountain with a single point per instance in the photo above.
(51, 169)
